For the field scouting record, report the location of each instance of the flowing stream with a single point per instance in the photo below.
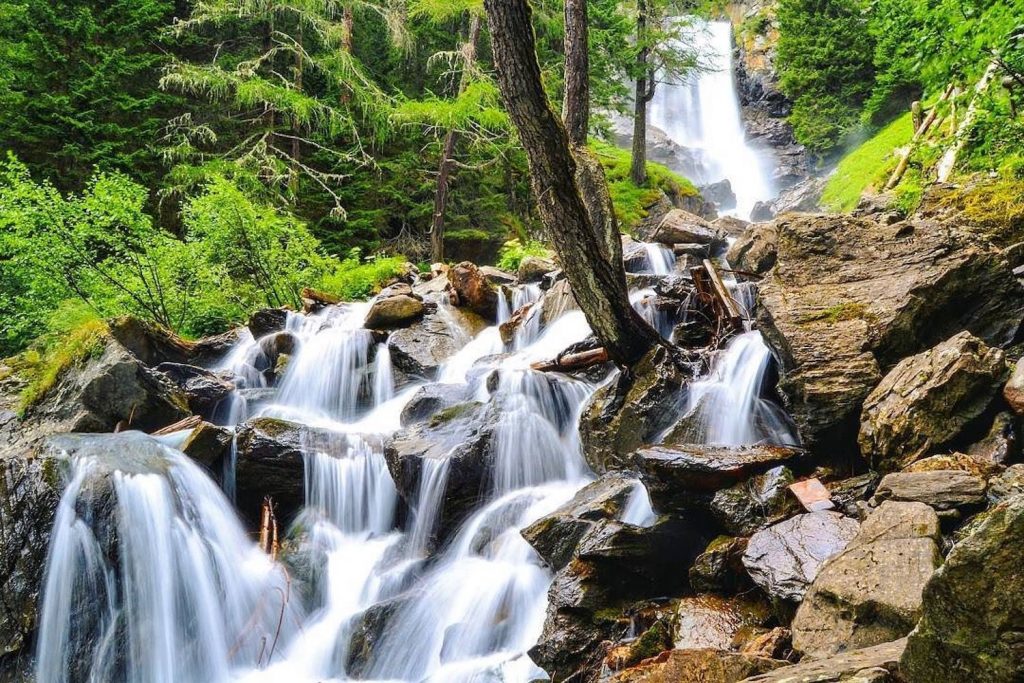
(177, 591)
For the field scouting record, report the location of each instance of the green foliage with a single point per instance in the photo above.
(74, 335)
(632, 203)
(825, 67)
(514, 251)
(866, 166)
(354, 278)
(995, 208)
(78, 86)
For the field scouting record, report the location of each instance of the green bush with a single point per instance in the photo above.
(356, 278)
(514, 251)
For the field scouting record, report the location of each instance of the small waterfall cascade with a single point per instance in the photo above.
(150, 575)
(728, 407)
(703, 114)
(660, 259)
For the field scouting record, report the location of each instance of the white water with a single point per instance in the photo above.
(703, 114)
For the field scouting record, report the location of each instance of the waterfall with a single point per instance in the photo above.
(150, 576)
(703, 114)
(727, 407)
(660, 259)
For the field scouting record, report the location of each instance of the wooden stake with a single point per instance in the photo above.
(268, 528)
(901, 167)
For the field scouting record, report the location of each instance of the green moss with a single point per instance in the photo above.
(868, 166)
(43, 367)
(630, 201)
(452, 413)
(838, 313)
(653, 642)
(995, 209)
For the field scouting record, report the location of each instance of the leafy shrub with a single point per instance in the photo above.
(514, 251)
(355, 278)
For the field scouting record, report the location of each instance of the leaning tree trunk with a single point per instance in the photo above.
(598, 283)
(576, 113)
(447, 163)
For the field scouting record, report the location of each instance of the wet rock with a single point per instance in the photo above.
(876, 664)
(1013, 392)
(851, 296)
(30, 489)
(758, 502)
(763, 211)
(203, 388)
(785, 558)
(719, 569)
(369, 634)
(978, 466)
(680, 226)
(720, 194)
(271, 462)
(496, 276)
(474, 290)
(623, 415)
(849, 494)
(148, 342)
(941, 489)
(534, 268)
(1006, 484)
(208, 445)
(267, 321)
(927, 400)
(1001, 445)
(704, 665)
(557, 301)
(397, 310)
(755, 250)
(870, 593)
(430, 400)
(971, 628)
(556, 536)
(776, 644)
(673, 474)
(109, 389)
(709, 621)
(420, 349)
(457, 439)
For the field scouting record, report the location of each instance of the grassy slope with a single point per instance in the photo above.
(867, 166)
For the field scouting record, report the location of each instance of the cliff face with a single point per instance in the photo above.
(765, 107)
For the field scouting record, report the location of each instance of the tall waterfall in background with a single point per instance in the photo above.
(703, 114)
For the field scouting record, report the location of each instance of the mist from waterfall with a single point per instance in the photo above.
(703, 113)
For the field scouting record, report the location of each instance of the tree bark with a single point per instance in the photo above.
(296, 151)
(576, 104)
(643, 94)
(447, 163)
(598, 284)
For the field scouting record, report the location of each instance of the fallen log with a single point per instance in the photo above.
(948, 160)
(710, 287)
(922, 130)
(190, 422)
(573, 361)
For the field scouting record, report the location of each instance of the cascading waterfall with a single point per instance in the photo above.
(703, 114)
(660, 259)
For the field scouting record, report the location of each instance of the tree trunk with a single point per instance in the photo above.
(447, 163)
(642, 95)
(296, 151)
(598, 284)
(347, 26)
(576, 105)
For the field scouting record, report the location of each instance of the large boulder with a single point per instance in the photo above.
(682, 227)
(557, 301)
(267, 321)
(208, 445)
(785, 558)
(271, 462)
(204, 389)
(111, 388)
(755, 250)
(849, 297)
(941, 489)
(398, 310)
(875, 664)
(1013, 392)
(758, 502)
(719, 569)
(431, 399)
(706, 665)
(625, 414)
(474, 291)
(680, 477)
(870, 593)
(927, 400)
(710, 621)
(420, 349)
(556, 536)
(972, 614)
(534, 268)
(453, 447)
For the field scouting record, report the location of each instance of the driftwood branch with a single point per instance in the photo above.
(710, 287)
(190, 422)
(268, 528)
(922, 130)
(573, 361)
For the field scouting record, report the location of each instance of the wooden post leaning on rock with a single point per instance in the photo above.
(710, 287)
(268, 528)
(919, 133)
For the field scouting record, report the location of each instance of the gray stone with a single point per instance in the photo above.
(876, 664)
(398, 310)
(758, 502)
(785, 558)
(870, 593)
(679, 227)
(534, 268)
(941, 489)
(755, 250)
(926, 401)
